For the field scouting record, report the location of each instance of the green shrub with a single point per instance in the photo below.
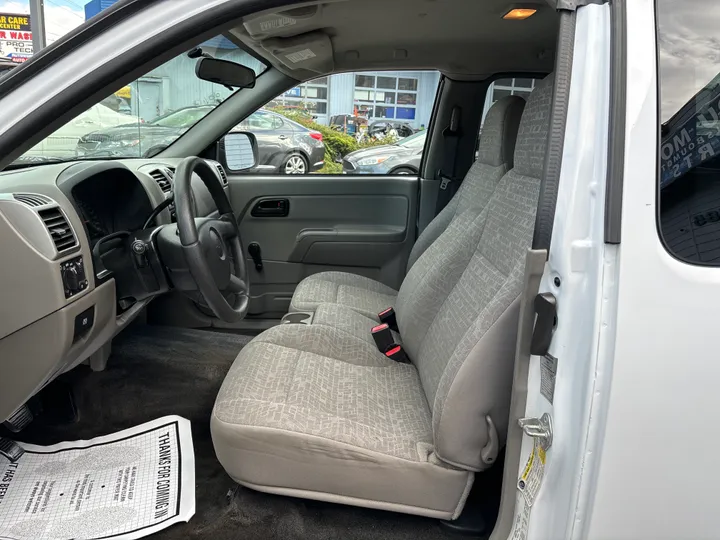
(337, 144)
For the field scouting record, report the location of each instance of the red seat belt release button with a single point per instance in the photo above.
(382, 335)
(398, 354)
(388, 316)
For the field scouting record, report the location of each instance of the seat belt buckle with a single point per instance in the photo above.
(397, 353)
(382, 335)
(445, 182)
(388, 316)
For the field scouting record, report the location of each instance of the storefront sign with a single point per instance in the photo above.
(15, 37)
(693, 142)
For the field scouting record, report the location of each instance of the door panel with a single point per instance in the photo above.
(363, 225)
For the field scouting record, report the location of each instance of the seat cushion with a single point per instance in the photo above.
(308, 411)
(347, 320)
(359, 293)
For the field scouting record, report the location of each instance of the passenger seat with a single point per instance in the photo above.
(370, 297)
(314, 412)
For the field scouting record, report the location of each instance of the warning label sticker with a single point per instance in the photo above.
(531, 479)
(301, 55)
(126, 485)
(548, 371)
(522, 520)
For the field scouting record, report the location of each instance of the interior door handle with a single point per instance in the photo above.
(271, 208)
(282, 137)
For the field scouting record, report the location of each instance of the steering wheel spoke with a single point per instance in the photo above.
(227, 229)
(237, 285)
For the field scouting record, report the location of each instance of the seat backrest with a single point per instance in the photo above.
(495, 156)
(458, 307)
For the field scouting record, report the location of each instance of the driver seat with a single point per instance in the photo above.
(317, 412)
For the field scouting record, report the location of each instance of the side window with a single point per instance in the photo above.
(348, 123)
(259, 121)
(689, 108)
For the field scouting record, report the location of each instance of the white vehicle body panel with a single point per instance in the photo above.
(659, 456)
(577, 266)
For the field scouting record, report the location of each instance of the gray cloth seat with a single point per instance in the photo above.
(495, 157)
(316, 411)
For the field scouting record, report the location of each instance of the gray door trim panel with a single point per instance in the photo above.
(359, 224)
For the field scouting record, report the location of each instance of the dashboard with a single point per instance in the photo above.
(61, 306)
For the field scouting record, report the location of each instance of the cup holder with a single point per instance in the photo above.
(297, 318)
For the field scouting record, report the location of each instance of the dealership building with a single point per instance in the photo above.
(405, 96)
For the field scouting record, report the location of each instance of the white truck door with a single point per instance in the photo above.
(569, 306)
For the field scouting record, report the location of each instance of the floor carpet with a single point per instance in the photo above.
(156, 371)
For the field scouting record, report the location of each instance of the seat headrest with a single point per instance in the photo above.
(533, 134)
(499, 132)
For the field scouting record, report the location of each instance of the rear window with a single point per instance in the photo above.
(688, 33)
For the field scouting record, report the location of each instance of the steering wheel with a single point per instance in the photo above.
(211, 246)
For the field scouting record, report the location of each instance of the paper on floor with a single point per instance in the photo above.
(125, 486)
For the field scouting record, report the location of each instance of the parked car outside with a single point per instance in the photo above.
(284, 146)
(139, 139)
(6, 64)
(64, 142)
(402, 157)
(383, 127)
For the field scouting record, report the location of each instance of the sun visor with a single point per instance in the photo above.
(312, 51)
(292, 21)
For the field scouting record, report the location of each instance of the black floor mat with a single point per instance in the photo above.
(156, 371)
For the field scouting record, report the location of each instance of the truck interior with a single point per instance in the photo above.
(249, 303)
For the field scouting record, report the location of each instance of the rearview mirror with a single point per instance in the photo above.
(225, 72)
(241, 151)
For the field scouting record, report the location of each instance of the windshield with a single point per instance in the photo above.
(147, 115)
(184, 118)
(416, 140)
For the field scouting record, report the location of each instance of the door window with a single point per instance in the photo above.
(689, 109)
(350, 123)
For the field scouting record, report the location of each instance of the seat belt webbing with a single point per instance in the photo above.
(448, 183)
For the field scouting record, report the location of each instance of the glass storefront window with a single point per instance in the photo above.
(365, 81)
(408, 84)
(407, 99)
(389, 83)
(405, 113)
(364, 95)
(384, 112)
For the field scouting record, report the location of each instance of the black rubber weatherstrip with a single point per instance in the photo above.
(113, 70)
(616, 131)
(556, 142)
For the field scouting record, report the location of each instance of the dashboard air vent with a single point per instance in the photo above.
(162, 177)
(32, 199)
(223, 176)
(60, 230)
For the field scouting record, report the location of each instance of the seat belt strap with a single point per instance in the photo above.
(448, 182)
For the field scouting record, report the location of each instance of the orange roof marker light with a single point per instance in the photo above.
(519, 14)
